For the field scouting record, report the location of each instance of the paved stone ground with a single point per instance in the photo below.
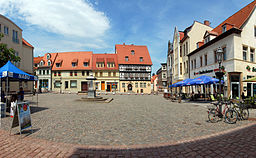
(239, 142)
(127, 120)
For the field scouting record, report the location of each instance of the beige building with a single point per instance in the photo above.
(13, 38)
(184, 42)
(237, 37)
(105, 70)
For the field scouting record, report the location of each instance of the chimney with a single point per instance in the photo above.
(124, 44)
(207, 22)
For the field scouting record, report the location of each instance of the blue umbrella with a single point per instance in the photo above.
(203, 80)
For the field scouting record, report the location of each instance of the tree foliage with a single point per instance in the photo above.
(7, 54)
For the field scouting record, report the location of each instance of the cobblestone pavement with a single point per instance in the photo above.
(127, 120)
(238, 142)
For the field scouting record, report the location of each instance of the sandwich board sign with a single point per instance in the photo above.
(22, 117)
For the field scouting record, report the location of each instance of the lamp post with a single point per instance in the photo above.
(219, 74)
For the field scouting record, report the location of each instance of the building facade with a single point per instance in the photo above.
(13, 38)
(105, 70)
(237, 38)
(43, 67)
(134, 68)
(162, 77)
(70, 70)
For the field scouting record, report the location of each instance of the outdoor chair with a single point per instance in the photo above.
(212, 98)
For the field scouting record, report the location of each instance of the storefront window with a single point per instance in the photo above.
(73, 84)
(57, 84)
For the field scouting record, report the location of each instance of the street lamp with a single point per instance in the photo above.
(219, 74)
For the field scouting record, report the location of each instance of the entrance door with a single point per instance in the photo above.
(84, 86)
(235, 90)
(66, 84)
(108, 87)
(102, 85)
(129, 87)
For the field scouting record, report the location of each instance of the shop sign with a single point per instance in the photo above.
(248, 68)
(203, 72)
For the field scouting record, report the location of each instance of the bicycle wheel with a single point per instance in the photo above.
(244, 113)
(231, 116)
(213, 116)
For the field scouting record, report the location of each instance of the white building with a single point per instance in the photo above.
(237, 37)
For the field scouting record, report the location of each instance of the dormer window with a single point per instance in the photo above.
(49, 62)
(141, 59)
(42, 63)
(57, 64)
(132, 52)
(86, 64)
(207, 39)
(74, 64)
(111, 65)
(48, 56)
(224, 28)
(126, 58)
(100, 64)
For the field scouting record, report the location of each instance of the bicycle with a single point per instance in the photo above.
(242, 110)
(230, 115)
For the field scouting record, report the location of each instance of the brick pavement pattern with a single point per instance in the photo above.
(238, 142)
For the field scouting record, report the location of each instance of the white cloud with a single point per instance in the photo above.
(65, 17)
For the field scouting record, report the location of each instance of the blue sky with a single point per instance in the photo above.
(97, 25)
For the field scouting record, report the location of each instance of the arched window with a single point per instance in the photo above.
(132, 52)
(42, 63)
(48, 56)
(49, 62)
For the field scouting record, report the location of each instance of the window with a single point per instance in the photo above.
(87, 73)
(6, 30)
(71, 73)
(100, 64)
(15, 36)
(132, 52)
(181, 68)
(201, 61)
(75, 73)
(252, 55)
(109, 74)
(184, 64)
(55, 73)
(254, 31)
(83, 73)
(145, 85)
(40, 72)
(136, 85)
(42, 63)
(57, 64)
(205, 59)
(224, 53)
(224, 28)
(43, 72)
(74, 64)
(244, 52)
(192, 66)
(86, 64)
(195, 63)
(141, 85)
(123, 85)
(48, 56)
(73, 84)
(141, 59)
(101, 74)
(114, 74)
(59, 74)
(49, 63)
(126, 58)
(187, 48)
(184, 49)
(164, 75)
(57, 84)
(180, 51)
(207, 39)
(96, 74)
(187, 66)
(47, 72)
(110, 64)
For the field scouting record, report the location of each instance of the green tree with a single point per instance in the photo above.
(7, 54)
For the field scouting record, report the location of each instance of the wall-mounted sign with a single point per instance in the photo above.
(203, 72)
(248, 68)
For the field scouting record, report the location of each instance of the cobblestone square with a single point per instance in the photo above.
(127, 120)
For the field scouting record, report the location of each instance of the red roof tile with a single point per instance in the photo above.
(139, 51)
(153, 78)
(237, 19)
(66, 59)
(26, 43)
(181, 35)
(37, 60)
(104, 58)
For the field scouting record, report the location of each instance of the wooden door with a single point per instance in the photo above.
(102, 85)
(84, 86)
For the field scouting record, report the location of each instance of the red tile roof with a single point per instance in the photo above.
(104, 58)
(181, 35)
(26, 43)
(66, 59)
(237, 19)
(37, 59)
(139, 51)
(153, 78)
